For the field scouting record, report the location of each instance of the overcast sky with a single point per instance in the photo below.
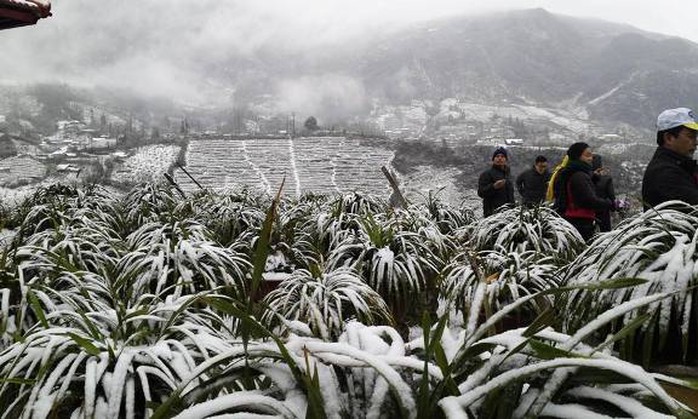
(665, 16)
(101, 41)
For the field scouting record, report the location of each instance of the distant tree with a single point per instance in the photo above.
(7, 147)
(184, 127)
(102, 122)
(311, 124)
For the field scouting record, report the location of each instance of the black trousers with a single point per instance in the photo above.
(604, 221)
(585, 226)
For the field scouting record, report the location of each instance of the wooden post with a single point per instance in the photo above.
(190, 176)
(173, 183)
(401, 201)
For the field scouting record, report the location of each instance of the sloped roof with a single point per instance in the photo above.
(15, 13)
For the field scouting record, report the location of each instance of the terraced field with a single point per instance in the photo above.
(316, 164)
(20, 168)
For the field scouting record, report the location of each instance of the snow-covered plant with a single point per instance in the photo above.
(294, 214)
(519, 373)
(417, 219)
(106, 363)
(324, 237)
(147, 306)
(9, 295)
(148, 202)
(500, 278)
(231, 218)
(658, 247)
(536, 371)
(50, 206)
(523, 228)
(46, 208)
(79, 251)
(355, 203)
(5, 216)
(325, 301)
(365, 374)
(398, 264)
(385, 389)
(177, 258)
(168, 233)
(447, 218)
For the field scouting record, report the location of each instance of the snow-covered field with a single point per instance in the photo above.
(11, 196)
(316, 164)
(20, 167)
(352, 329)
(149, 163)
(6, 237)
(416, 186)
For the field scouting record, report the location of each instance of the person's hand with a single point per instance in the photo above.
(621, 204)
(500, 183)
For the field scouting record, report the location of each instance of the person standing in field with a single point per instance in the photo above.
(494, 185)
(672, 173)
(604, 189)
(532, 184)
(575, 194)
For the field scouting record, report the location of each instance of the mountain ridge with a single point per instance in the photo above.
(614, 75)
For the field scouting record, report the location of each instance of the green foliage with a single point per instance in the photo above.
(658, 247)
(150, 304)
(448, 219)
(523, 228)
(508, 277)
(326, 302)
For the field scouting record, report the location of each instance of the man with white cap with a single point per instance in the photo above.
(672, 173)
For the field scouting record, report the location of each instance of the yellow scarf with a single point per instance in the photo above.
(550, 193)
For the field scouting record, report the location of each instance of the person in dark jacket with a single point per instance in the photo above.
(672, 173)
(532, 184)
(578, 192)
(603, 182)
(494, 185)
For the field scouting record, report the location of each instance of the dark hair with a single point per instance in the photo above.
(597, 162)
(671, 131)
(502, 151)
(540, 159)
(575, 151)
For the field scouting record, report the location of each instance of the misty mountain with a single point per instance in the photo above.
(616, 73)
(612, 74)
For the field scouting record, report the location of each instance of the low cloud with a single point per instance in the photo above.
(190, 50)
(327, 96)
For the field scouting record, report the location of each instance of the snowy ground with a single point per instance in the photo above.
(13, 196)
(6, 237)
(441, 181)
(315, 164)
(148, 164)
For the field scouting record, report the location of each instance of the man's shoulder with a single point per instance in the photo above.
(485, 173)
(662, 162)
(491, 170)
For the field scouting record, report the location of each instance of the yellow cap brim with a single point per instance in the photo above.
(691, 125)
